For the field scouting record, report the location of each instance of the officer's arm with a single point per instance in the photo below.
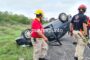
(71, 24)
(39, 31)
(85, 28)
(71, 27)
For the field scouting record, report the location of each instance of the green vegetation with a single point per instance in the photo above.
(13, 18)
(11, 25)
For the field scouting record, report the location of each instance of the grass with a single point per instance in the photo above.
(8, 48)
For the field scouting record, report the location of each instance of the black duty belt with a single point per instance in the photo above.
(34, 39)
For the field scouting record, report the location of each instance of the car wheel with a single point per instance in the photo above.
(27, 33)
(63, 17)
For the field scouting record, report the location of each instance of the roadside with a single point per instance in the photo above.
(8, 48)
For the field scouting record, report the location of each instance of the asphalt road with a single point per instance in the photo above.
(66, 51)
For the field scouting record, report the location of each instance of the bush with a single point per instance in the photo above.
(7, 17)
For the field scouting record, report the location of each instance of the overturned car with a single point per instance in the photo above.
(53, 30)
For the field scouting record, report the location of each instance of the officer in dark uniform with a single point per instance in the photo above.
(78, 28)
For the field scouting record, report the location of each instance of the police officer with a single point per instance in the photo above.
(78, 28)
(38, 38)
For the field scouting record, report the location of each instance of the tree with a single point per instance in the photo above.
(9, 17)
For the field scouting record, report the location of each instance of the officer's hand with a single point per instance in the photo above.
(71, 33)
(85, 34)
(45, 39)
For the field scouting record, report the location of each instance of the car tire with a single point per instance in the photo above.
(60, 17)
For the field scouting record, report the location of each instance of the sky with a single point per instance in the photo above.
(51, 8)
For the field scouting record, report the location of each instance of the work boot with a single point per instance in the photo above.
(42, 59)
(74, 43)
(75, 58)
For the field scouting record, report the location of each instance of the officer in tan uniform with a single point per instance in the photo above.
(38, 38)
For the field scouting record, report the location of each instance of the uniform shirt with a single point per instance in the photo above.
(36, 26)
(78, 21)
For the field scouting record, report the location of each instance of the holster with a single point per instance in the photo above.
(34, 39)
